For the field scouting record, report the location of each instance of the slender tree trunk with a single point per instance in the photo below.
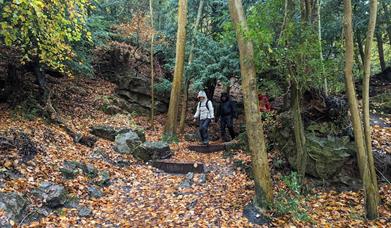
(370, 190)
(388, 20)
(187, 78)
(254, 126)
(365, 95)
(152, 68)
(298, 129)
(184, 107)
(360, 49)
(380, 50)
(325, 88)
(171, 124)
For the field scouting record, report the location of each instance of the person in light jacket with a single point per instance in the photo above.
(205, 114)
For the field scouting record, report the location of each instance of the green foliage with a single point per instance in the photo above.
(163, 87)
(288, 200)
(213, 61)
(170, 139)
(44, 30)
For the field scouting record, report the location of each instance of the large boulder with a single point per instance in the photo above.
(14, 205)
(53, 195)
(327, 150)
(126, 143)
(110, 132)
(152, 151)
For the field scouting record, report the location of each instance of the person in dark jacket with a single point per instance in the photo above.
(226, 113)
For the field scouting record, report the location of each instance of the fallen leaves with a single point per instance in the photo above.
(140, 196)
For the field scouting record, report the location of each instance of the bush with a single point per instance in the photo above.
(288, 199)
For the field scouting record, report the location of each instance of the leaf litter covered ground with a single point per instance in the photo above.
(141, 196)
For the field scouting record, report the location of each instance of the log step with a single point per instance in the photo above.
(207, 149)
(176, 167)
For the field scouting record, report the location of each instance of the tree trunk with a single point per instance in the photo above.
(298, 129)
(325, 87)
(152, 68)
(365, 94)
(42, 81)
(380, 50)
(188, 77)
(184, 107)
(387, 16)
(254, 126)
(370, 190)
(360, 47)
(171, 124)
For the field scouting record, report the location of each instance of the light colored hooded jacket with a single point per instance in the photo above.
(202, 111)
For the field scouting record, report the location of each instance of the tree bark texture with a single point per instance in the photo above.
(369, 186)
(171, 124)
(380, 50)
(254, 126)
(187, 78)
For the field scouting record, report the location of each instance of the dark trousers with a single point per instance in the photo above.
(204, 124)
(227, 122)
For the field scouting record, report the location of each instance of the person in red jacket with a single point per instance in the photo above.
(264, 104)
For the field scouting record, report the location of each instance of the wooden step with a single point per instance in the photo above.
(177, 167)
(207, 149)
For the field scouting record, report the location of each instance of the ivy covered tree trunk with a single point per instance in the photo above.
(254, 127)
(187, 78)
(370, 186)
(171, 124)
(380, 50)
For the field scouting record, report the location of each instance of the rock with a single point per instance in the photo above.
(53, 195)
(254, 216)
(190, 176)
(112, 109)
(14, 205)
(327, 144)
(94, 192)
(186, 184)
(72, 202)
(122, 163)
(107, 132)
(191, 205)
(90, 171)
(188, 181)
(104, 178)
(99, 153)
(71, 169)
(85, 211)
(202, 178)
(88, 140)
(152, 151)
(126, 143)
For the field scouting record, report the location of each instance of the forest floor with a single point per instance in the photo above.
(142, 196)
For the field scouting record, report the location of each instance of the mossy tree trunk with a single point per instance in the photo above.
(254, 127)
(172, 116)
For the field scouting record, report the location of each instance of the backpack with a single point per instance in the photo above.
(206, 104)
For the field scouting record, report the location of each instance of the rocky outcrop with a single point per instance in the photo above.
(152, 151)
(13, 205)
(109, 132)
(53, 195)
(129, 68)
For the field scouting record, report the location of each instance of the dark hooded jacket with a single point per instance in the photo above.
(227, 107)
